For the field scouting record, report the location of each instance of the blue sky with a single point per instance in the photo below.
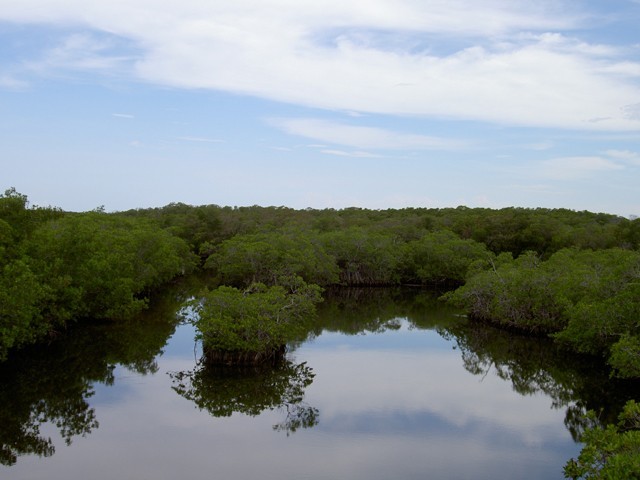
(376, 103)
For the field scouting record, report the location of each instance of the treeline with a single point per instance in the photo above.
(59, 266)
(380, 247)
(514, 230)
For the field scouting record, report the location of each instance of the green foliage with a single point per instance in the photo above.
(197, 226)
(608, 310)
(56, 267)
(105, 265)
(589, 299)
(364, 257)
(595, 324)
(625, 355)
(442, 258)
(517, 293)
(253, 325)
(21, 321)
(544, 231)
(630, 233)
(610, 453)
(98, 265)
(14, 212)
(267, 257)
(22, 219)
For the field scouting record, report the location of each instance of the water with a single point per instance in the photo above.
(389, 385)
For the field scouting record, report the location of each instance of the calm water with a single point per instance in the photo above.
(389, 385)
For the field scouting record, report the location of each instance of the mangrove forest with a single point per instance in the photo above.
(570, 279)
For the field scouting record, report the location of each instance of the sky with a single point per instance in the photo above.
(322, 104)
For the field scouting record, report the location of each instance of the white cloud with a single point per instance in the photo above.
(567, 168)
(631, 69)
(510, 64)
(631, 111)
(360, 137)
(466, 17)
(571, 45)
(83, 52)
(122, 115)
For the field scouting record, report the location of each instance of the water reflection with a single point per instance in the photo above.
(576, 383)
(388, 396)
(40, 390)
(222, 391)
(54, 383)
(537, 365)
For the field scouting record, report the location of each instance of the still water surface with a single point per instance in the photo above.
(389, 385)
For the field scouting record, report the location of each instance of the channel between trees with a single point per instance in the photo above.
(572, 275)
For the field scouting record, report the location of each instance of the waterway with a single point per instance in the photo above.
(389, 384)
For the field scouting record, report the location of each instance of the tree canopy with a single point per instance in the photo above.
(544, 271)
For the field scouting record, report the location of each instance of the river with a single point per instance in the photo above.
(389, 384)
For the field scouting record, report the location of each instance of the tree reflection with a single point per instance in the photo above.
(223, 391)
(354, 311)
(576, 383)
(52, 384)
(37, 389)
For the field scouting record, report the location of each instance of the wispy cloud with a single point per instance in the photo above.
(624, 155)
(200, 139)
(516, 62)
(538, 146)
(537, 188)
(567, 168)
(353, 154)
(11, 82)
(361, 137)
(85, 52)
(631, 111)
(122, 115)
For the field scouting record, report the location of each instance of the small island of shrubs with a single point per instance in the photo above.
(253, 326)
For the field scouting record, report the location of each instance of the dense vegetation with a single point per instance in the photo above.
(589, 300)
(49, 388)
(572, 275)
(561, 272)
(58, 268)
(612, 452)
(253, 326)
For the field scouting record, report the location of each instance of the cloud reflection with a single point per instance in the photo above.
(405, 410)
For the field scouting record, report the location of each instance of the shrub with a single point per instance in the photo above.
(254, 325)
